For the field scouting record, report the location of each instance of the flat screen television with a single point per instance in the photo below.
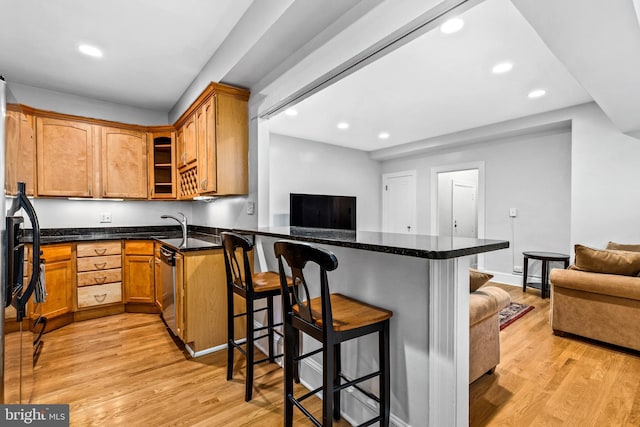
(322, 211)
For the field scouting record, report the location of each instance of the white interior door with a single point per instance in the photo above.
(463, 210)
(399, 202)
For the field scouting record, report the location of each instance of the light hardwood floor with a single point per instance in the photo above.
(544, 380)
(125, 370)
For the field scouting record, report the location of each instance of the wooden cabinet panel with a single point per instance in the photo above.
(20, 152)
(205, 118)
(58, 280)
(91, 296)
(139, 275)
(232, 145)
(99, 263)
(64, 158)
(139, 279)
(99, 248)
(124, 163)
(190, 152)
(101, 277)
(203, 300)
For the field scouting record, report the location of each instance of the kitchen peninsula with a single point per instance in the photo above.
(424, 280)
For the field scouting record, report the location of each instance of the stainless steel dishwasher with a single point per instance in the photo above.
(168, 274)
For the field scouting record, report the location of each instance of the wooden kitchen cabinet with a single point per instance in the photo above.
(20, 151)
(188, 146)
(99, 279)
(221, 130)
(162, 165)
(202, 300)
(59, 282)
(124, 163)
(65, 157)
(139, 275)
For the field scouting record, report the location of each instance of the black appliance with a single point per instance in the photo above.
(23, 347)
(322, 211)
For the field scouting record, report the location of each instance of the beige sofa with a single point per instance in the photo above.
(484, 329)
(604, 304)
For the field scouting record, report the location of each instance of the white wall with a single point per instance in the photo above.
(64, 213)
(80, 106)
(529, 172)
(605, 179)
(301, 166)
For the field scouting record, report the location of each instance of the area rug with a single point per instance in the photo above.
(512, 313)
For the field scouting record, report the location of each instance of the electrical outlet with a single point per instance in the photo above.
(251, 208)
(517, 269)
(105, 217)
(513, 212)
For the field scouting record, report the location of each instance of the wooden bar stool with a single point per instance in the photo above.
(252, 287)
(330, 319)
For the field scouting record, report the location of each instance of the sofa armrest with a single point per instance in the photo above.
(485, 302)
(597, 283)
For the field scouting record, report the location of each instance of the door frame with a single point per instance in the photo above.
(480, 195)
(385, 176)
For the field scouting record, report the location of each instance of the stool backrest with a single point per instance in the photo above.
(238, 272)
(297, 255)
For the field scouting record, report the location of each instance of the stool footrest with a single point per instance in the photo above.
(355, 383)
(262, 328)
(307, 395)
(304, 356)
(371, 421)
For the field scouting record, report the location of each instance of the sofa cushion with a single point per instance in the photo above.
(624, 246)
(477, 278)
(607, 261)
(487, 302)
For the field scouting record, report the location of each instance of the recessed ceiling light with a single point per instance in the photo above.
(291, 112)
(90, 50)
(537, 93)
(453, 25)
(502, 67)
(343, 125)
(383, 135)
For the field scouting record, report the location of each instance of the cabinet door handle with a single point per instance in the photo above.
(100, 251)
(101, 265)
(100, 298)
(101, 280)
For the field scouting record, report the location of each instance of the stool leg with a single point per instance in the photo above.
(296, 350)
(385, 375)
(327, 382)
(290, 339)
(230, 334)
(249, 381)
(337, 370)
(270, 328)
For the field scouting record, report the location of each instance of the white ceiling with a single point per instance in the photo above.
(438, 84)
(434, 85)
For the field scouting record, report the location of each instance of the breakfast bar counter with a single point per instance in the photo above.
(424, 280)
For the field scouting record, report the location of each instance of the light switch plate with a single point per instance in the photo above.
(513, 212)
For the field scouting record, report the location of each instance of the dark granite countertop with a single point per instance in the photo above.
(415, 245)
(200, 238)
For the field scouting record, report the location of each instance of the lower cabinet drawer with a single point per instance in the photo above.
(89, 296)
(99, 262)
(100, 277)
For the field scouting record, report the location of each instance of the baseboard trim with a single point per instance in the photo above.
(205, 351)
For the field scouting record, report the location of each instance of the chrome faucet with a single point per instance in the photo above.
(183, 224)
